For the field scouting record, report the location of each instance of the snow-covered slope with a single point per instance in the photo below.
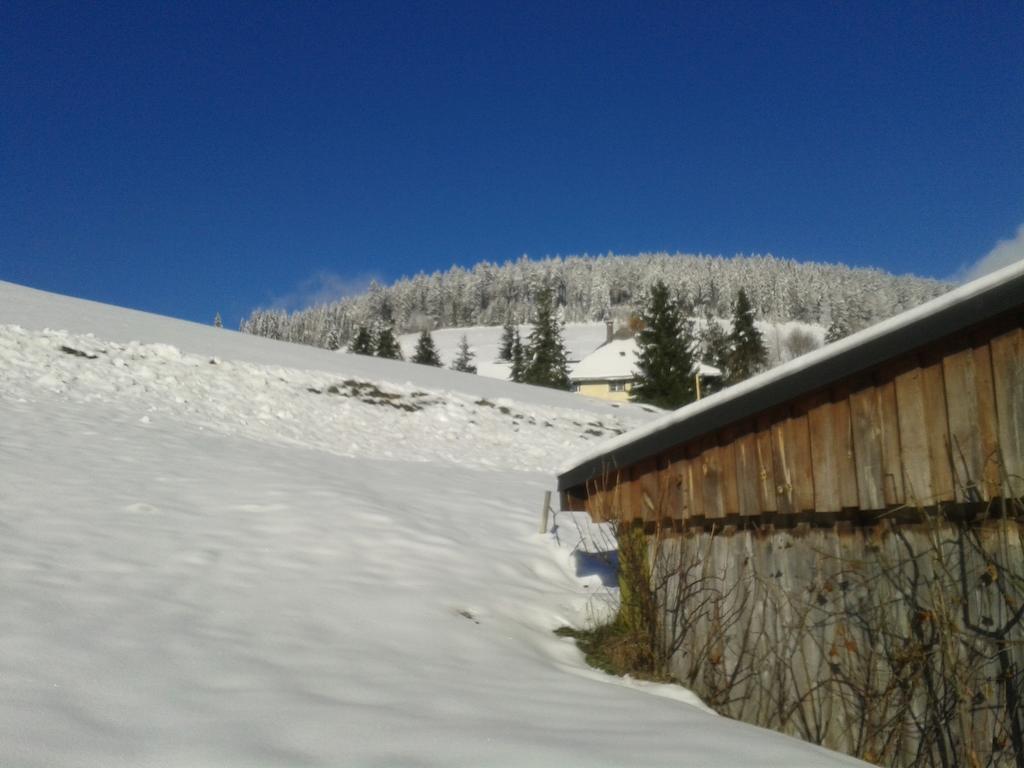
(485, 340)
(38, 310)
(581, 339)
(229, 564)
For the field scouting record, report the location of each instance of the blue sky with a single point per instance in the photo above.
(189, 158)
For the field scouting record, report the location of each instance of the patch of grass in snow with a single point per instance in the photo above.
(628, 644)
(371, 394)
(617, 650)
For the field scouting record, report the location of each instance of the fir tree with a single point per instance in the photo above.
(217, 322)
(363, 343)
(838, 327)
(331, 341)
(464, 359)
(546, 360)
(387, 345)
(426, 352)
(714, 351)
(664, 361)
(747, 353)
(507, 337)
(518, 359)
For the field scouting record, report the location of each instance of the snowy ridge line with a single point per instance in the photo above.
(347, 416)
(998, 281)
(486, 294)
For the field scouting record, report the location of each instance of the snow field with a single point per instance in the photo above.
(209, 565)
(314, 409)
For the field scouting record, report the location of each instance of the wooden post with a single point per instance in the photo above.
(544, 512)
(696, 379)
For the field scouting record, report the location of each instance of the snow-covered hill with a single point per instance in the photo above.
(219, 550)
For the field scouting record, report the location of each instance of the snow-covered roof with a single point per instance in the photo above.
(708, 371)
(988, 297)
(614, 360)
(617, 360)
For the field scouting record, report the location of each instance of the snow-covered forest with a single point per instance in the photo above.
(589, 287)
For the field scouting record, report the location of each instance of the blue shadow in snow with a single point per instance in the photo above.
(604, 565)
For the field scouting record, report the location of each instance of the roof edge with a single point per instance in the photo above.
(963, 307)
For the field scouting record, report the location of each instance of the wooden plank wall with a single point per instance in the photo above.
(945, 424)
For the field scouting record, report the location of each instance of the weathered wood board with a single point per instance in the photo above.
(1008, 378)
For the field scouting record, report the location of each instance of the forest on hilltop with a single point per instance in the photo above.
(589, 288)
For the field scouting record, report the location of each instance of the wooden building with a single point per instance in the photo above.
(925, 408)
(839, 548)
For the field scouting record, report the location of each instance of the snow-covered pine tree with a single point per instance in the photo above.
(664, 360)
(464, 359)
(363, 343)
(426, 352)
(518, 359)
(546, 359)
(387, 345)
(217, 322)
(747, 352)
(838, 326)
(507, 337)
(714, 343)
(331, 341)
(714, 346)
(835, 332)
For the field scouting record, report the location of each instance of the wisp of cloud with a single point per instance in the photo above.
(321, 288)
(1005, 253)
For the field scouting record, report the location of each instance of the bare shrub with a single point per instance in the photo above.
(899, 643)
(799, 341)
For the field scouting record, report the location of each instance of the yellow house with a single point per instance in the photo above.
(608, 372)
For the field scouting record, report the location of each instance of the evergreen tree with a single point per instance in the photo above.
(714, 346)
(835, 332)
(217, 322)
(664, 361)
(546, 360)
(464, 360)
(331, 341)
(426, 352)
(838, 327)
(747, 353)
(387, 345)
(507, 336)
(518, 359)
(363, 343)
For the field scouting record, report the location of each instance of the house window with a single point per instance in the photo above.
(617, 386)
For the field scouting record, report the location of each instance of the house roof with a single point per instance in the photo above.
(617, 360)
(614, 360)
(970, 304)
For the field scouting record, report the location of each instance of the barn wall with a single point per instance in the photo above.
(862, 639)
(943, 424)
